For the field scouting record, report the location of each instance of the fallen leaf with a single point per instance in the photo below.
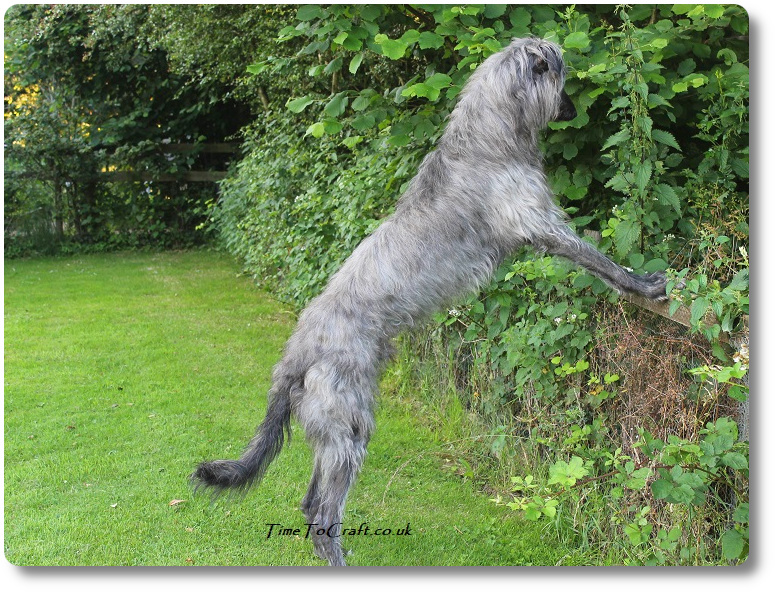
(113, 505)
(175, 502)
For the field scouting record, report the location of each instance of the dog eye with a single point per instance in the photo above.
(540, 66)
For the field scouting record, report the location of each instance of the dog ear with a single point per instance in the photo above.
(540, 65)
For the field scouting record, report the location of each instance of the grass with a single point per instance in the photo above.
(123, 371)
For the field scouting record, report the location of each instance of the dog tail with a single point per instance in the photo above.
(259, 453)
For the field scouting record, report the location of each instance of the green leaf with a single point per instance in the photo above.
(735, 460)
(298, 105)
(732, 544)
(666, 138)
(566, 474)
(332, 126)
(714, 11)
(656, 264)
(687, 66)
(360, 103)
(410, 36)
(355, 63)
(642, 172)
(638, 479)
(627, 234)
(309, 12)
(316, 130)
(680, 87)
(636, 260)
(352, 43)
(421, 89)
(520, 18)
(430, 40)
(494, 10)
(661, 488)
(399, 140)
(570, 151)
(619, 137)
(363, 122)
(352, 141)
(336, 106)
(532, 513)
(740, 281)
(334, 65)
(667, 196)
(391, 48)
(439, 81)
(741, 514)
(698, 309)
(576, 40)
(257, 68)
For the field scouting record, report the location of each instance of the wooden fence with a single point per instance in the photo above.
(184, 176)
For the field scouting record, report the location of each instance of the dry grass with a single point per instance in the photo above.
(652, 355)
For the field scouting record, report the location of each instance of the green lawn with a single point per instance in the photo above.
(123, 371)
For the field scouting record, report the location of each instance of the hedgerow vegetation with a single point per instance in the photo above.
(624, 430)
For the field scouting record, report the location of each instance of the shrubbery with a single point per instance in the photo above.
(655, 164)
(620, 427)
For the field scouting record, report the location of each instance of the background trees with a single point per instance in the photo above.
(88, 90)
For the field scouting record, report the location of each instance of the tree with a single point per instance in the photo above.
(88, 91)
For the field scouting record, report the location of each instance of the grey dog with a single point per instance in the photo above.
(477, 198)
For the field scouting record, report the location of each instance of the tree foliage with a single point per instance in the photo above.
(87, 90)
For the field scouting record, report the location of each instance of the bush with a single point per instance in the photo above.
(655, 164)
